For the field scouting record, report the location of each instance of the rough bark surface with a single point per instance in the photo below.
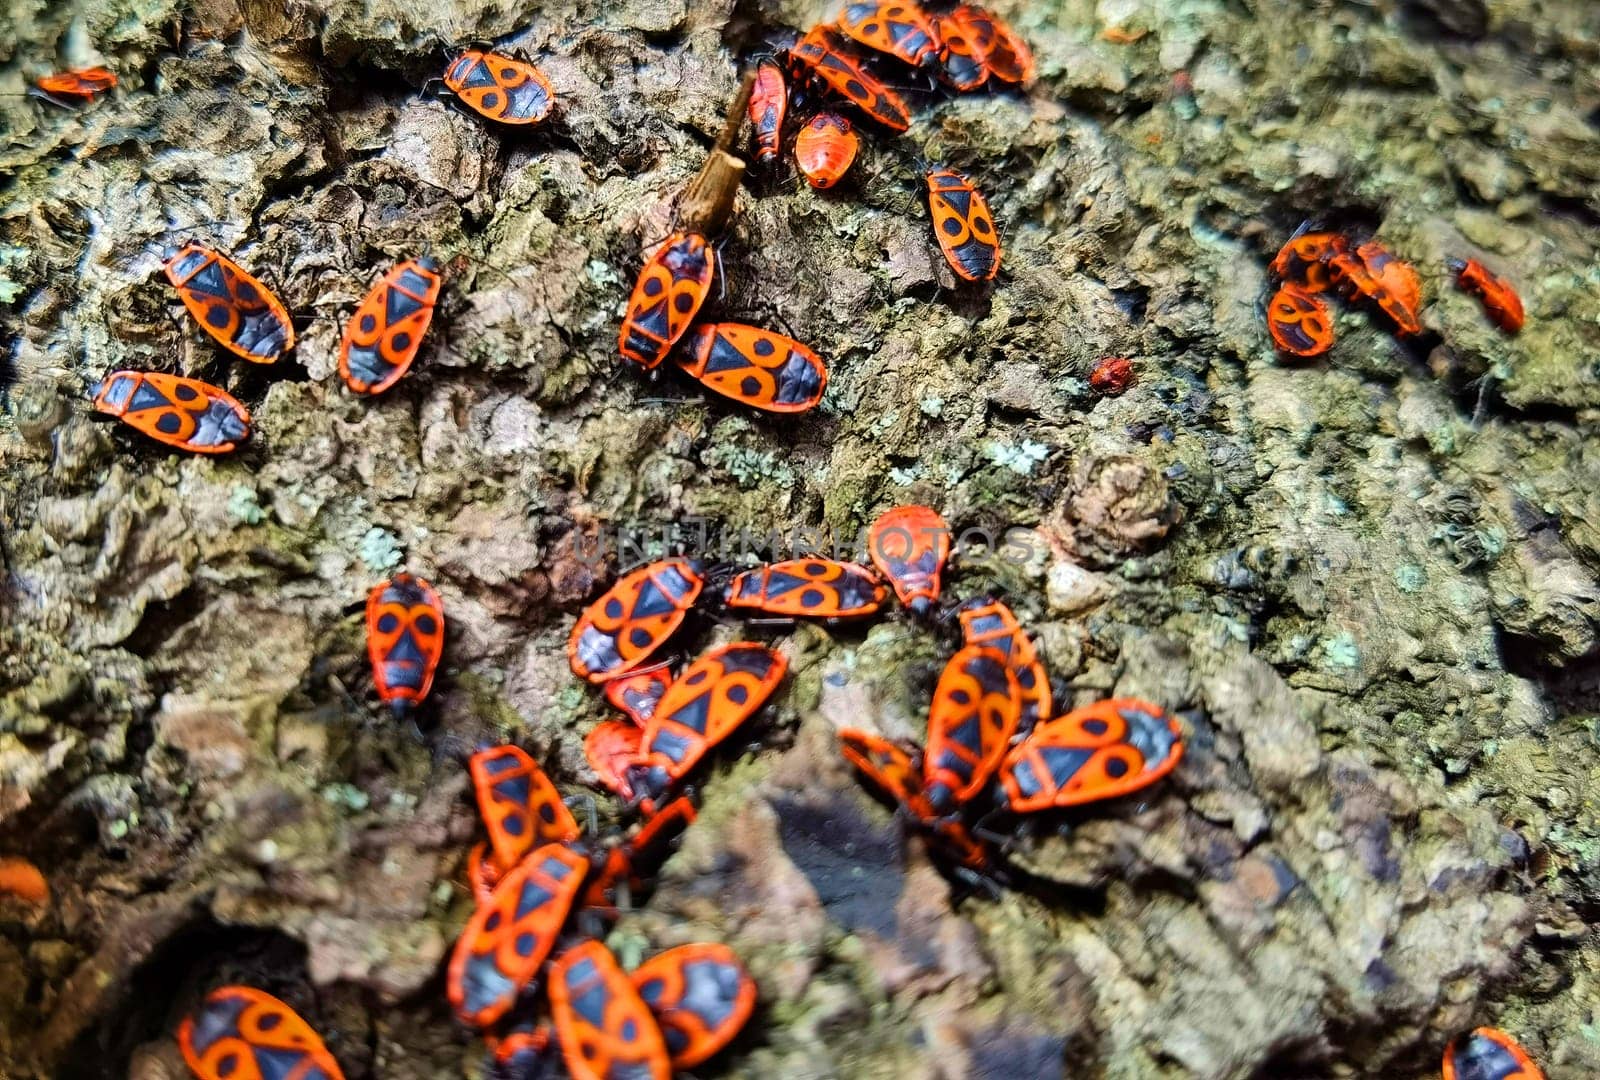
(1368, 584)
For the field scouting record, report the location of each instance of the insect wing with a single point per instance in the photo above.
(240, 1033)
(757, 367)
(672, 285)
(910, 545)
(821, 588)
(519, 804)
(383, 336)
(976, 708)
(506, 939)
(234, 308)
(1304, 259)
(706, 704)
(1010, 59)
(1104, 750)
(606, 1030)
(963, 59)
(993, 624)
(963, 226)
(618, 632)
(820, 53)
(1299, 322)
(769, 102)
(1399, 291)
(185, 413)
(405, 639)
(700, 995)
(499, 87)
(896, 27)
(1488, 1054)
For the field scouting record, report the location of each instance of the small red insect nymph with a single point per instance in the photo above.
(1111, 375)
(1497, 295)
(825, 149)
(83, 84)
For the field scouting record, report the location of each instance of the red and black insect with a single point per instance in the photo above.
(700, 995)
(769, 102)
(967, 37)
(241, 1033)
(899, 28)
(992, 623)
(612, 746)
(822, 54)
(1101, 751)
(1003, 53)
(890, 767)
(1299, 321)
(230, 305)
(628, 866)
(976, 708)
(510, 934)
(963, 225)
(705, 705)
(1010, 60)
(405, 638)
(1111, 375)
(522, 1054)
(909, 545)
(1497, 295)
(1399, 292)
(672, 286)
(818, 588)
(899, 774)
(620, 630)
(383, 336)
(519, 804)
(499, 87)
(757, 367)
(185, 413)
(1305, 259)
(1488, 1054)
(1356, 276)
(825, 149)
(606, 1030)
(83, 84)
(639, 692)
